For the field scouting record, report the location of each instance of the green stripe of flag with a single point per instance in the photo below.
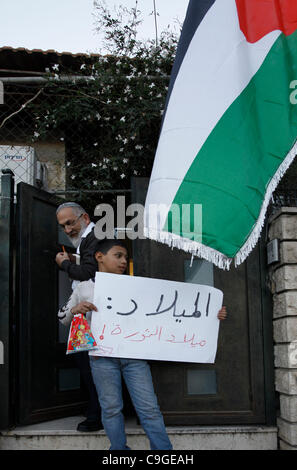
(246, 149)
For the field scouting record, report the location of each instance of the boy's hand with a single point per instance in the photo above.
(83, 307)
(222, 315)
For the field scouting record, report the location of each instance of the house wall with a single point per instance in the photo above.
(52, 154)
(283, 277)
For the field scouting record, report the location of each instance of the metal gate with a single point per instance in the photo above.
(39, 382)
(7, 345)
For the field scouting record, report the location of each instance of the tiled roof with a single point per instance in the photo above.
(36, 61)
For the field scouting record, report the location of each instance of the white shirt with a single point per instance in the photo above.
(83, 292)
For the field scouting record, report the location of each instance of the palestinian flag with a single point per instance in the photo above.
(229, 129)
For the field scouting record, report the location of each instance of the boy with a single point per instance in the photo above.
(111, 256)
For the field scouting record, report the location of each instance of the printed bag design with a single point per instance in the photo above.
(80, 336)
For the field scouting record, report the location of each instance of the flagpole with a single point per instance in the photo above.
(156, 27)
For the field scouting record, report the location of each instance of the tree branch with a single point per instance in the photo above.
(21, 108)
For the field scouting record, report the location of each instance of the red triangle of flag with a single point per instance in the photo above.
(259, 17)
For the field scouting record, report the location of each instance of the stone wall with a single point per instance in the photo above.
(283, 276)
(53, 155)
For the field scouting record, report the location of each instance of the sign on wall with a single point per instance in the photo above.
(155, 319)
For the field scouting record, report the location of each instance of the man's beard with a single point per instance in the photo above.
(76, 240)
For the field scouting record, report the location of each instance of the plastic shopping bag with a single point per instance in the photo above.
(80, 336)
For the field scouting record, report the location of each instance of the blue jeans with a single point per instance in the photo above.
(137, 375)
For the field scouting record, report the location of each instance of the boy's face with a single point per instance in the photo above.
(114, 261)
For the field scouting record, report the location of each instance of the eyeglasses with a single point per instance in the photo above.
(70, 224)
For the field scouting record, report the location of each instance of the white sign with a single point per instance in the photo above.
(146, 318)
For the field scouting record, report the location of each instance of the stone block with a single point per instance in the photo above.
(285, 446)
(285, 355)
(285, 330)
(285, 278)
(287, 431)
(288, 251)
(288, 407)
(284, 226)
(286, 381)
(285, 304)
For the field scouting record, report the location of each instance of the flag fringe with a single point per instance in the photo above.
(253, 238)
(190, 246)
(209, 254)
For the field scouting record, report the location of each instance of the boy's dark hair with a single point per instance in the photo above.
(105, 245)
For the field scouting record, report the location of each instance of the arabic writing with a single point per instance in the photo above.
(173, 306)
(155, 319)
(160, 333)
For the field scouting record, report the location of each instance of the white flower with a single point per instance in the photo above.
(95, 144)
(152, 85)
(115, 168)
(123, 175)
(68, 163)
(125, 141)
(121, 149)
(36, 134)
(55, 67)
(138, 147)
(95, 183)
(123, 119)
(83, 66)
(73, 177)
(94, 165)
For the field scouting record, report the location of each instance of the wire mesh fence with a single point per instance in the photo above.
(56, 159)
(85, 155)
(18, 148)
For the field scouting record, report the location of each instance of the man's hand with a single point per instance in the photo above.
(222, 315)
(60, 257)
(83, 307)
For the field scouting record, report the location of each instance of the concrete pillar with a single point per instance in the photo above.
(283, 276)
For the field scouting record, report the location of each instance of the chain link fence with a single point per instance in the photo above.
(45, 161)
(30, 162)
(48, 161)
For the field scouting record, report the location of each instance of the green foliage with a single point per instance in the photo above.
(111, 120)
